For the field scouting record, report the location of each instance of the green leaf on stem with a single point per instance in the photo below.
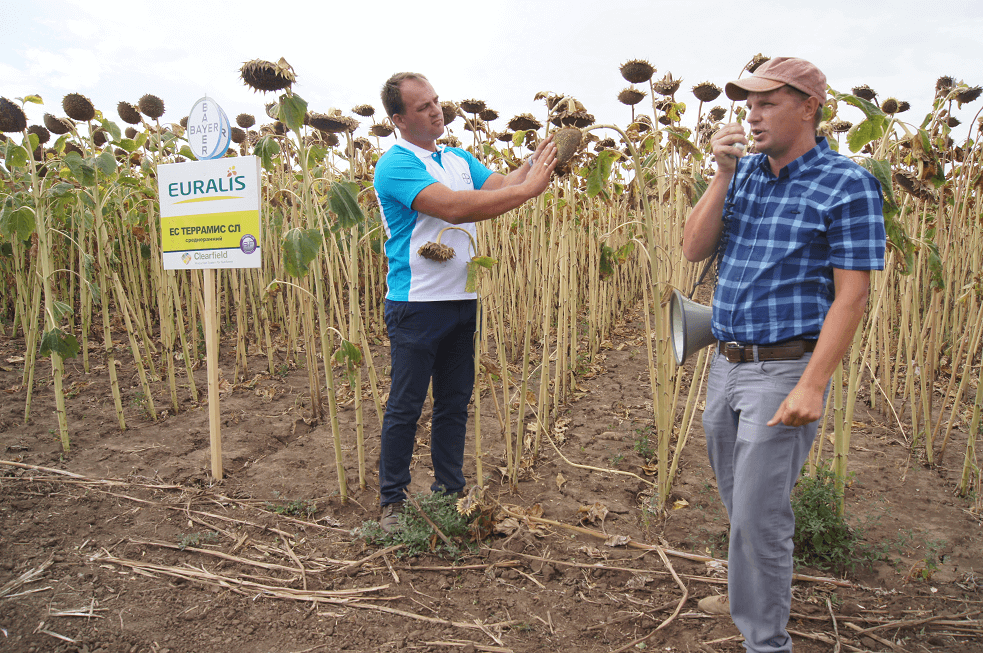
(56, 341)
(300, 247)
(870, 109)
(19, 222)
(471, 284)
(61, 189)
(106, 163)
(866, 131)
(350, 356)
(486, 262)
(291, 110)
(60, 309)
(881, 168)
(935, 267)
(519, 137)
(84, 173)
(681, 138)
(898, 238)
(16, 156)
(266, 148)
(600, 170)
(343, 201)
(112, 128)
(35, 99)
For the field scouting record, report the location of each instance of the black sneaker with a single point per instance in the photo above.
(390, 516)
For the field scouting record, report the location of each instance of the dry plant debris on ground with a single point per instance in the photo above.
(125, 544)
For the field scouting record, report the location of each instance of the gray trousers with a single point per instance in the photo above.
(756, 467)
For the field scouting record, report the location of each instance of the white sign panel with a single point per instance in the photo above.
(210, 213)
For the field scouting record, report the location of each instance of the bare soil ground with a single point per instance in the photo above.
(125, 544)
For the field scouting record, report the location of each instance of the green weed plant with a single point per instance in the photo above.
(822, 538)
(417, 535)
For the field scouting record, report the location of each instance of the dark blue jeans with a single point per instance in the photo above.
(427, 340)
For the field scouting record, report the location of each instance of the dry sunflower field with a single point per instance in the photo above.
(593, 523)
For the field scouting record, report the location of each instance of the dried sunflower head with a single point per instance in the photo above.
(717, 113)
(968, 94)
(667, 85)
(915, 186)
(472, 106)
(488, 114)
(890, 105)
(450, 111)
(864, 92)
(265, 76)
(151, 106)
(12, 117)
(637, 71)
(756, 62)
(57, 125)
(43, 134)
(943, 85)
(364, 110)
(579, 119)
(524, 121)
(99, 137)
(473, 125)
(333, 123)
(183, 122)
(953, 121)
(631, 96)
(128, 113)
(436, 252)
(78, 107)
(245, 120)
(903, 106)
(840, 126)
(567, 142)
(707, 91)
(504, 136)
(381, 129)
(72, 147)
(130, 133)
(238, 136)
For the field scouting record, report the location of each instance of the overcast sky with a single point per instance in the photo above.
(500, 52)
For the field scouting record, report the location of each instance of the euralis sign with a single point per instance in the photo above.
(209, 213)
(203, 187)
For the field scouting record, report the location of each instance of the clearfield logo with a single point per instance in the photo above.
(186, 258)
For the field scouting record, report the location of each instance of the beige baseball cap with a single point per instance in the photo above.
(777, 72)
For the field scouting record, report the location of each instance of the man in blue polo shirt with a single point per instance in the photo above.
(431, 193)
(798, 228)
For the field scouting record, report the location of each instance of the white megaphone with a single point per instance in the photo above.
(689, 326)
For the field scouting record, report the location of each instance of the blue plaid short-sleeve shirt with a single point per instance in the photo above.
(784, 235)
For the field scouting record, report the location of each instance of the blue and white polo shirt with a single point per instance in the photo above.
(401, 173)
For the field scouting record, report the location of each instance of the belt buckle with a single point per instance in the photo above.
(732, 351)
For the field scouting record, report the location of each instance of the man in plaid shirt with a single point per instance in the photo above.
(798, 228)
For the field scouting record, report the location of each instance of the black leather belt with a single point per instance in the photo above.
(736, 352)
